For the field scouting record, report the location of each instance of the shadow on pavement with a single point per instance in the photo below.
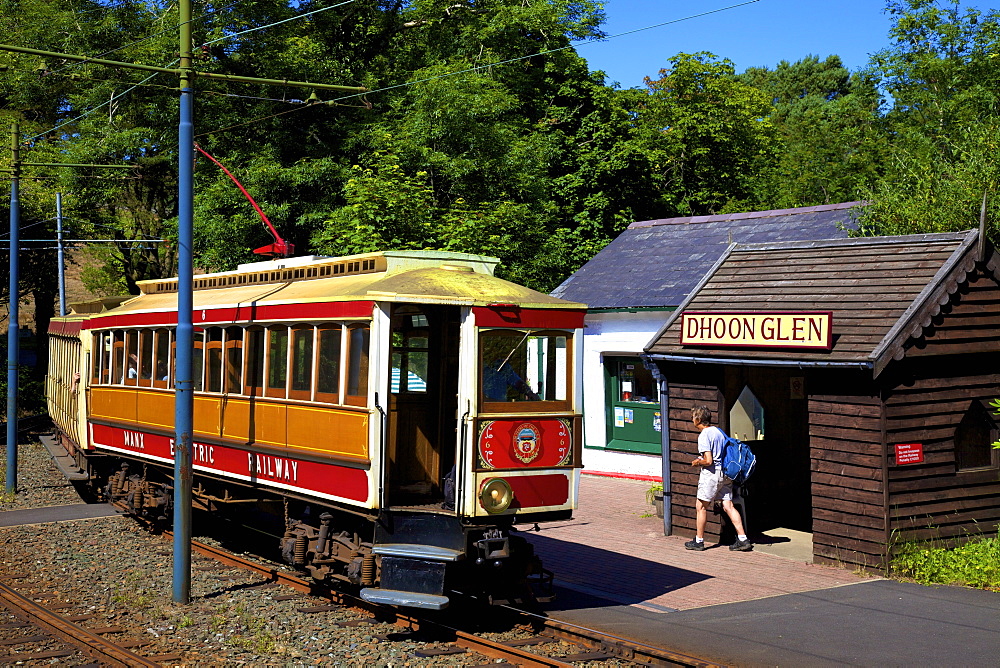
(600, 577)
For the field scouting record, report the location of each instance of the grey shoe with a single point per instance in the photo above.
(741, 546)
(694, 545)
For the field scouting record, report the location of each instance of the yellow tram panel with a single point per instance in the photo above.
(208, 415)
(157, 409)
(328, 431)
(113, 403)
(266, 417)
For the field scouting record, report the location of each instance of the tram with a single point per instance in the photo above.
(400, 413)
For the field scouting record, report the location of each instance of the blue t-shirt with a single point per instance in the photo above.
(712, 439)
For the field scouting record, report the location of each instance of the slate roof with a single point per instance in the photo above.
(882, 291)
(656, 263)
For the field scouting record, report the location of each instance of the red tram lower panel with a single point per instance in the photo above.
(285, 473)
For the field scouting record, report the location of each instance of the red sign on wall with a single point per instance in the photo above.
(909, 453)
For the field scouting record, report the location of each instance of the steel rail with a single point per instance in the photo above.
(89, 643)
(391, 615)
(618, 647)
(621, 648)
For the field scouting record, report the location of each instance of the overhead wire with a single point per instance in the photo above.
(496, 64)
(100, 106)
(144, 81)
(278, 23)
(148, 37)
(250, 122)
(337, 100)
(571, 45)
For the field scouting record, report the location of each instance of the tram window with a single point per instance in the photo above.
(234, 360)
(328, 364)
(197, 359)
(213, 359)
(101, 358)
(409, 362)
(357, 365)
(131, 358)
(161, 358)
(146, 357)
(118, 352)
(519, 366)
(254, 373)
(302, 363)
(277, 361)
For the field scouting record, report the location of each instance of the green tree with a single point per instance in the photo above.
(831, 130)
(942, 71)
(709, 135)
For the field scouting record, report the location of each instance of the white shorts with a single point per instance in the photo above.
(714, 486)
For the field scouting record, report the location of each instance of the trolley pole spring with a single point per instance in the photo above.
(301, 545)
(368, 570)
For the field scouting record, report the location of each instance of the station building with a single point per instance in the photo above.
(631, 287)
(861, 373)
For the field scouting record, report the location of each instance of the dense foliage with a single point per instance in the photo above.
(483, 131)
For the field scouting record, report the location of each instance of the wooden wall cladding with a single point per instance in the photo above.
(966, 325)
(934, 498)
(845, 442)
(688, 390)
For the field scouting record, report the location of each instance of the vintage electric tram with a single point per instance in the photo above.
(399, 412)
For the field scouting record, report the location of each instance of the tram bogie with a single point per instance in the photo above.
(404, 412)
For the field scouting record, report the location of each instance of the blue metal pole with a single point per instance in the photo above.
(13, 342)
(183, 372)
(59, 246)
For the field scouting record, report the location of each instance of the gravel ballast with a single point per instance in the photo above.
(118, 571)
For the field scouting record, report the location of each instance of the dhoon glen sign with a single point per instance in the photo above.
(809, 330)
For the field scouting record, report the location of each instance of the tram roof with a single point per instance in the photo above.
(406, 276)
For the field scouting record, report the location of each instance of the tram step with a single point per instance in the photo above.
(65, 463)
(405, 598)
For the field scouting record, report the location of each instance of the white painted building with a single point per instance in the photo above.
(631, 287)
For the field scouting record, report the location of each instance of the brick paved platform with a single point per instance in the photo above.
(614, 548)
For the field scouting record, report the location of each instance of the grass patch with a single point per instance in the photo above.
(975, 563)
(242, 627)
(5, 496)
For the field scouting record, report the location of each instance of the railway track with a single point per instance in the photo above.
(36, 630)
(592, 645)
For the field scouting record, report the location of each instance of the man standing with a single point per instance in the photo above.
(712, 484)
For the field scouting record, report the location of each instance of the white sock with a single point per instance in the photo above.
(742, 537)
(698, 539)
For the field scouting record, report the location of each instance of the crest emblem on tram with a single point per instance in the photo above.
(527, 443)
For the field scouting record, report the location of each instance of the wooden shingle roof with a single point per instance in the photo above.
(882, 292)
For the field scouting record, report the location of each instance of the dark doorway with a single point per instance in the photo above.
(766, 408)
(423, 401)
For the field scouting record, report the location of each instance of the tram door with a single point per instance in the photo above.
(423, 400)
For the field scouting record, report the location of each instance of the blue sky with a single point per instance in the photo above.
(762, 33)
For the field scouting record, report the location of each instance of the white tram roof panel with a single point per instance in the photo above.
(395, 276)
(394, 261)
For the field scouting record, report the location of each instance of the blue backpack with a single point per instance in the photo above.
(738, 462)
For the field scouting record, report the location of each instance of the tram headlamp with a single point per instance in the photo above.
(496, 495)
